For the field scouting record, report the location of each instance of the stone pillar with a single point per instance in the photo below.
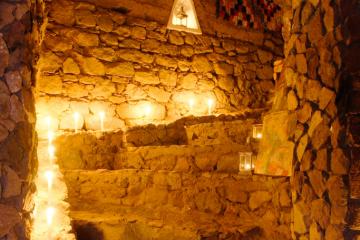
(315, 90)
(17, 120)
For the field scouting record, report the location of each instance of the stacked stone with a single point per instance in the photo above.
(352, 53)
(234, 206)
(17, 120)
(100, 58)
(312, 74)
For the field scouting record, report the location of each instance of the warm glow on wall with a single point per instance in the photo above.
(50, 219)
(148, 110)
(191, 104)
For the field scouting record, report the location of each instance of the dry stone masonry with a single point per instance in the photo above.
(94, 58)
(177, 187)
(17, 120)
(315, 79)
(158, 172)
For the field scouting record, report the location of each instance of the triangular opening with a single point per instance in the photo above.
(183, 17)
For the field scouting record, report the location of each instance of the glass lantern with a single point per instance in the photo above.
(181, 17)
(257, 131)
(245, 162)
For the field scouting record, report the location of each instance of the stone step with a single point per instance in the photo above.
(80, 152)
(208, 130)
(147, 225)
(192, 131)
(201, 203)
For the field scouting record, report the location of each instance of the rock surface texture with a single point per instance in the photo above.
(17, 120)
(99, 58)
(316, 77)
(172, 187)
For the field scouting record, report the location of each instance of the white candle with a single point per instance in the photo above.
(49, 175)
(50, 137)
(148, 110)
(210, 104)
(76, 121)
(50, 212)
(102, 120)
(51, 152)
(191, 104)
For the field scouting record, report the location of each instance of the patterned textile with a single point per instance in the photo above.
(256, 14)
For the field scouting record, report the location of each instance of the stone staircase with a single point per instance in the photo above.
(177, 181)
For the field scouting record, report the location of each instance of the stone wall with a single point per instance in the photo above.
(95, 59)
(183, 204)
(17, 120)
(314, 80)
(169, 191)
(353, 111)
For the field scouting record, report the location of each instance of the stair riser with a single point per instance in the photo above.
(199, 203)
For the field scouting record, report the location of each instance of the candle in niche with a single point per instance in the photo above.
(76, 121)
(50, 137)
(191, 104)
(49, 175)
(50, 212)
(102, 120)
(51, 152)
(210, 105)
(48, 122)
(148, 110)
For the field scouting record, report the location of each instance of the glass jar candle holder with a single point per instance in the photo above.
(257, 131)
(245, 162)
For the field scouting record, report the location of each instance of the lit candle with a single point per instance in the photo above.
(102, 119)
(50, 212)
(210, 104)
(49, 175)
(259, 135)
(50, 137)
(191, 104)
(76, 121)
(148, 110)
(51, 152)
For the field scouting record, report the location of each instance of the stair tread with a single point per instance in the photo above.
(223, 157)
